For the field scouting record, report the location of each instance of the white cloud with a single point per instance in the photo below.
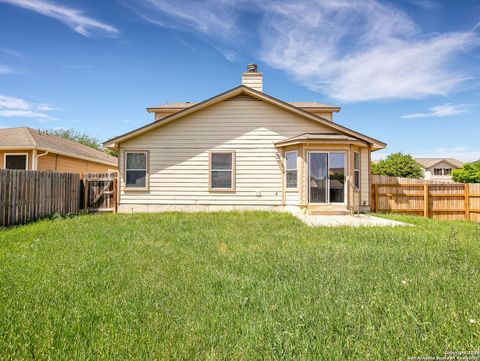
(12, 107)
(352, 50)
(72, 17)
(230, 55)
(44, 107)
(211, 17)
(445, 110)
(5, 69)
(361, 50)
(25, 114)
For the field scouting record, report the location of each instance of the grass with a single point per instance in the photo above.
(240, 286)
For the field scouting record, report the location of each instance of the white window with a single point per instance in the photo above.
(136, 170)
(447, 171)
(437, 171)
(16, 161)
(222, 171)
(291, 169)
(356, 169)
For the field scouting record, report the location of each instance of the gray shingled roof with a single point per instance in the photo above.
(430, 162)
(29, 138)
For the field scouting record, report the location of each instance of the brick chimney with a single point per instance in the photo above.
(252, 78)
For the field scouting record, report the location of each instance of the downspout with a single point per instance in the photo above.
(34, 160)
(35, 157)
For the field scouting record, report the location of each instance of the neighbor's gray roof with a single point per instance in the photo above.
(29, 138)
(430, 162)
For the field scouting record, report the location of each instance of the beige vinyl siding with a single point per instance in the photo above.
(292, 198)
(325, 115)
(179, 154)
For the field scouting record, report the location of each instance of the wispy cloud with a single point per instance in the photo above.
(352, 50)
(12, 107)
(72, 17)
(5, 69)
(444, 110)
(211, 17)
(12, 53)
(426, 4)
(230, 55)
(361, 50)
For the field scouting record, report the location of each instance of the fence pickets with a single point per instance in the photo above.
(27, 195)
(100, 191)
(433, 199)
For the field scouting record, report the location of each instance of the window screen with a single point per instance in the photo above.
(291, 169)
(17, 161)
(136, 169)
(221, 170)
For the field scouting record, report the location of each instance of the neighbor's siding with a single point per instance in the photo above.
(2, 157)
(179, 154)
(430, 174)
(60, 163)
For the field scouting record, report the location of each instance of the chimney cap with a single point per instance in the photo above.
(252, 68)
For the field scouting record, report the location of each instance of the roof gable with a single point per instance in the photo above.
(28, 138)
(113, 143)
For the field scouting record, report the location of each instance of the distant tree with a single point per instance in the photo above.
(398, 165)
(470, 173)
(82, 138)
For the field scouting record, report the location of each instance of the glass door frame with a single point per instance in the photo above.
(346, 171)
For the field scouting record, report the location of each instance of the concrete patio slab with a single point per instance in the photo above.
(361, 220)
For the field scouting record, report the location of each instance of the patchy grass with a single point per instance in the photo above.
(246, 286)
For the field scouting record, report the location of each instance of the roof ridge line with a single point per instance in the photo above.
(30, 135)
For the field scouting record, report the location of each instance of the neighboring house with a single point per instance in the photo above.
(244, 149)
(26, 148)
(439, 168)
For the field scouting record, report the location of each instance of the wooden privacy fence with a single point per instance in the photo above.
(441, 200)
(29, 195)
(100, 192)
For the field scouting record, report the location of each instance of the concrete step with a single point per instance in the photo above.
(329, 212)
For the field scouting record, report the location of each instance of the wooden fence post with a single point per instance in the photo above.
(426, 201)
(466, 194)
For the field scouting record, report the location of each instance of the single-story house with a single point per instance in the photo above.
(244, 149)
(439, 168)
(31, 149)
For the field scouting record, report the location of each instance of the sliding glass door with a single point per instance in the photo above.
(326, 177)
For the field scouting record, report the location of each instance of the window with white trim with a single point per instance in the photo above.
(291, 169)
(437, 171)
(136, 166)
(447, 171)
(15, 161)
(222, 170)
(356, 169)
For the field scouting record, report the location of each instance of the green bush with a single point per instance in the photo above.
(470, 173)
(398, 165)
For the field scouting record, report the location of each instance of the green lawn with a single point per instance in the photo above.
(232, 286)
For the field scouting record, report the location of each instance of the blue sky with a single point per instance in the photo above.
(404, 72)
